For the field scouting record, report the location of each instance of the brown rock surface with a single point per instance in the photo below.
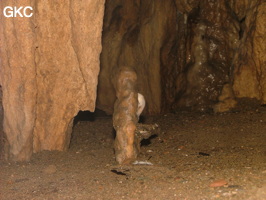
(209, 51)
(1, 126)
(134, 33)
(125, 115)
(184, 52)
(250, 64)
(226, 100)
(49, 70)
(69, 79)
(18, 81)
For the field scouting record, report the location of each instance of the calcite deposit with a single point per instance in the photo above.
(127, 109)
(125, 114)
(134, 34)
(250, 62)
(49, 72)
(184, 52)
(227, 100)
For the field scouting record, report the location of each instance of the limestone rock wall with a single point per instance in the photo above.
(213, 36)
(185, 51)
(49, 71)
(134, 34)
(250, 61)
(18, 81)
(2, 137)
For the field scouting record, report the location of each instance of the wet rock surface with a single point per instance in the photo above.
(184, 59)
(134, 33)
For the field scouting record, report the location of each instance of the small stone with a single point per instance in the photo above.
(218, 183)
(180, 148)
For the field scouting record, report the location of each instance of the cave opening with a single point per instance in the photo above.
(89, 116)
(92, 129)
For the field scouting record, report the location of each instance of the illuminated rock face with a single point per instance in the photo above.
(250, 64)
(184, 52)
(125, 114)
(127, 109)
(49, 71)
(134, 34)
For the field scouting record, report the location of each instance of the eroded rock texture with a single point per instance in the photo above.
(213, 38)
(18, 81)
(125, 114)
(185, 51)
(49, 70)
(250, 61)
(2, 137)
(134, 33)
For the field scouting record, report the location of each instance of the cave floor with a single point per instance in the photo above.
(192, 153)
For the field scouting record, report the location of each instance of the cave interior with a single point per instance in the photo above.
(200, 65)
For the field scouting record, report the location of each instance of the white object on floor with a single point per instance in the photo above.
(142, 163)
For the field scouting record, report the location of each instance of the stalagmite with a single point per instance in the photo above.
(125, 115)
